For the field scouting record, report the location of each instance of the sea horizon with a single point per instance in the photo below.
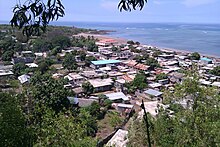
(191, 37)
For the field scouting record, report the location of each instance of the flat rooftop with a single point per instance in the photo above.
(103, 62)
(101, 82)
(153, 92)
(116, 96)
(206, 59)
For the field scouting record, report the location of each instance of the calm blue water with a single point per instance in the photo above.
(203, 38)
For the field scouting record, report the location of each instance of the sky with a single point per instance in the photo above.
(185, 11)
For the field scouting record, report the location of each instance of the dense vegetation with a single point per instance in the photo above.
(216, 71)
(195, 125)
(139, 83)
(42, 116)
(195, 56)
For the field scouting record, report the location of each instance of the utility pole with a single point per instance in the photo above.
(147, 124)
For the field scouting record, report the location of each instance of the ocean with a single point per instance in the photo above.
(202, 38)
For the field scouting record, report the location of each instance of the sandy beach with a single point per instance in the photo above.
(123, 40)
(102, 37)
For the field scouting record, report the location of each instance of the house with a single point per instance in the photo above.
(154, 94)
(91, 74)
(130, 63)
(142, 67)
(103, 63)
(6, 67)
(27, 53)
(217, 84)
(166, 56)
(124, 54)
(115, 74)
(57, 75)
(176, 77)
(120, 139)
(204, 82)
(40, 55)
(155, 85)
(119, 84)
(128, 78)
(106, 53)
(78, 91)
(163, 81)
(22, 60)
(32, 65)
(150, 107)
(80, 102)
(24, 78)
(205, 60)
(170, 63)
(117, 97)
(75, 78)
(101, 85)
(124, 109)
(5, 73)
(106, 42)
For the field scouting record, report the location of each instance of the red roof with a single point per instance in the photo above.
(107, 41)
(131, 63)
(142, 67)
(127, 78)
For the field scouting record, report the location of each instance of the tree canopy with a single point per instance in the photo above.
(194, 125)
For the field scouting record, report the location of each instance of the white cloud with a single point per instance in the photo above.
(109, 4)
(194, 3)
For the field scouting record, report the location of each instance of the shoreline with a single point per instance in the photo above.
(124, 40)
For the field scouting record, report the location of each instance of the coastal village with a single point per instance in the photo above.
(110, 76)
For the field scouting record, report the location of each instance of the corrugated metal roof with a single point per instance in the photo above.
(153, 92)
(117, 95)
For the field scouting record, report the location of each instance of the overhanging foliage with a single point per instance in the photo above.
(34, 15)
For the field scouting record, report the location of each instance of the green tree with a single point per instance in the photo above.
(62, 41)
(87, 88)
(195, 56)
(161, 76)
(82, 55)
(48, 92)
(137, 133)
(88, 60)
(7, 44)
(107, 103)
(19, 69)
(19, 47)
(115, 119)
(140, 81)
(216, 71)
(130, 42)
(153, 63)
(13, 130)
(56, 50)
(43, 67)
(7, 55)
(64, 130)
(195, 126)
(91, 46)
(41, 45)
(156, 53)
(114, 49)
(69, 62)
